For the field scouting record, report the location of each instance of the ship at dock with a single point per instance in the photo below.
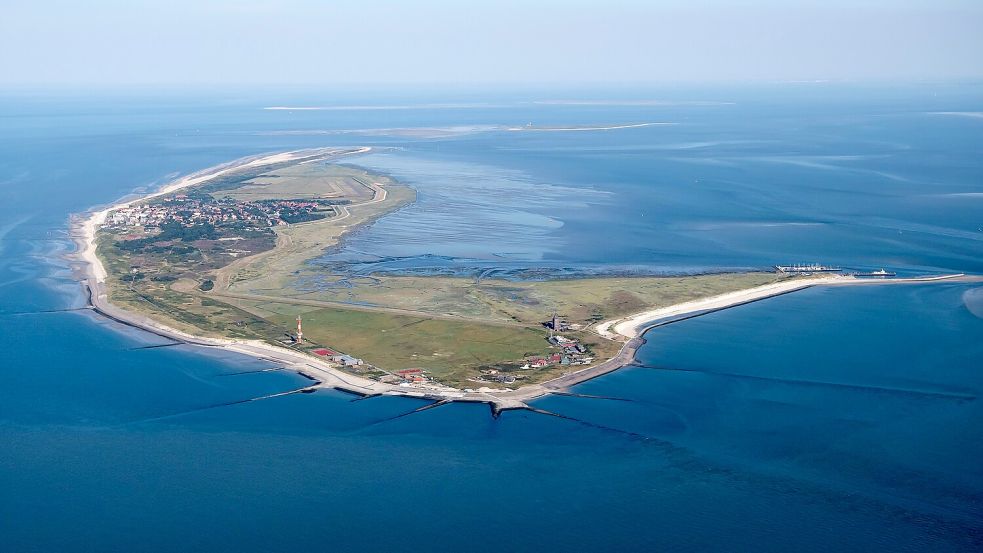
(807, 268)
(878, 273)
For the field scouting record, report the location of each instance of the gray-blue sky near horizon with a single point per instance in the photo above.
(108, 42)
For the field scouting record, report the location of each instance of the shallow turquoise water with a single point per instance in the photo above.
(830, 419)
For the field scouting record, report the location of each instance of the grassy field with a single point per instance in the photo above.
(575, 300)
(452, 327)
(304, 181)
(452, 351)
(193, 313)
(135, 280)
(297, 244)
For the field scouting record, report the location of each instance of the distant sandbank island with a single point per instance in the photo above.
(217, 259)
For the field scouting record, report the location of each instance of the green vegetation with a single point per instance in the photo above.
(192, 313)
(171, 230)
(205, 262)
(452, 351)
(297, 182)
(580, 301)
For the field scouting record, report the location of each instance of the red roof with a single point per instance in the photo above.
(325, 351)
(405, 372)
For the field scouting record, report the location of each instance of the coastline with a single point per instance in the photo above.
(635, 325)
(630, 330)
(84, 234)
(93, 275)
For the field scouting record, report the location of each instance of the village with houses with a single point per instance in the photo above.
(203, 209)
(563, 352)
(168, 254)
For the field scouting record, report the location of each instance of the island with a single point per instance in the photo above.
(223, 258)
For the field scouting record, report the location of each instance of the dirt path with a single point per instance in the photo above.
(224, 277)
(368, 308)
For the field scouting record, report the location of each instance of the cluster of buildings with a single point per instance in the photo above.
(494, 375)
(566, 351)
(138, 216)
(572, 352)
(413, 376)
(555, 324)
(190, 211)
(340, 358)
(403, 377)
(407, 377)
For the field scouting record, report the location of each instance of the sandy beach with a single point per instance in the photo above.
(325, 375)
(94, 279)
(322, 373)
(634, 325)
(86, 233)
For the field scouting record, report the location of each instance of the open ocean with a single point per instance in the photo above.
(844, 419)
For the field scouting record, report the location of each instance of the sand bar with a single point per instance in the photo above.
(324, 375)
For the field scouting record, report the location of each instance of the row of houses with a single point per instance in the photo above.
(494, 375)
(572, 353)
(335, 357)
(189, 211)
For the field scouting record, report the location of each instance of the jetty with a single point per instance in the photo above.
(628, 330)
(807, 268)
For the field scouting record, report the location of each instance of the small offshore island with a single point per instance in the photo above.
(217, 258)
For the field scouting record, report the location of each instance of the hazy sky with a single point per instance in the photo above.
(430, 41)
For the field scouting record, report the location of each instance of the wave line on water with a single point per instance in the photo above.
(861, 387)
(590, 396)
(407, 413)
(45, 311)
(156, 346)
(598, 426)
(304, 390)
(266, 370)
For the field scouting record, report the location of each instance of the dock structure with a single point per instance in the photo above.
(807, 268)
(630, 329)
(878, 273)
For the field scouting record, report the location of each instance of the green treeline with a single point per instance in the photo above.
(171, 230)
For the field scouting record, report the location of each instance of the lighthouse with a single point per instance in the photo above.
(300, 332)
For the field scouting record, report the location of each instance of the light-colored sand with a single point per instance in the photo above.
(634, 325)
(329, 376)
(573, 129)
(88, 228)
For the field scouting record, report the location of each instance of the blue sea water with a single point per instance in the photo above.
(830, 419)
